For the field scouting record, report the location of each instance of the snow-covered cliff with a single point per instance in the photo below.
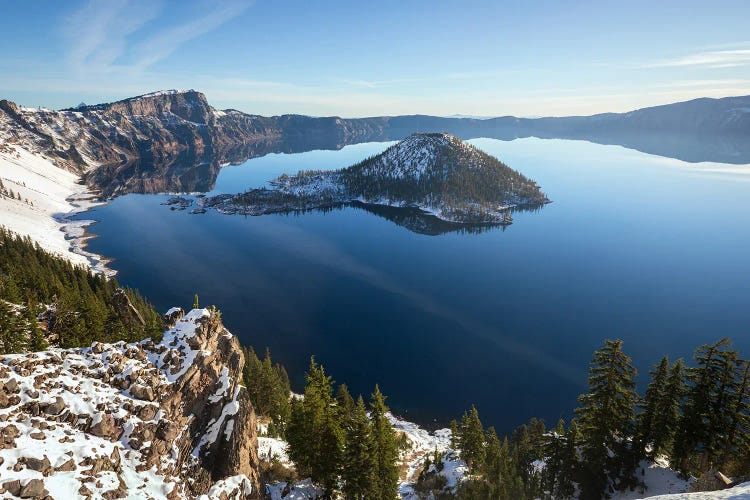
(143, 420)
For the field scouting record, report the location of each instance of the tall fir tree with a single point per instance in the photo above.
(385, 450)
(358, 469)
(314, 435)
(472, 442)
(706, 410)
(645, 432)
(667, 413)
(37, 342)
(606, 422)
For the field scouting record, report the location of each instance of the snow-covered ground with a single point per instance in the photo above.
(739, 492)
(659, 480)
(53, 195)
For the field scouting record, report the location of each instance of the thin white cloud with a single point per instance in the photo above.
(708, 59)
(102, 35)
(156, 48)
(97, 33)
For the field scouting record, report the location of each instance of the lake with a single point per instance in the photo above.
(648, 249)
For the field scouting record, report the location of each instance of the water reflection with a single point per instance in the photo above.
(186, 172)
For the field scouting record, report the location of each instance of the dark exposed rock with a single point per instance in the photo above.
(13, 487)
(39, 465)
(33, 489)
(56, 407)
(142, 392)
(107, 428)
(126, 309)
(66, 466)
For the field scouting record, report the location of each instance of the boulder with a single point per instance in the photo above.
(13, 487)
(107, 428)
(33, 489)
(142, 392)
(39, 465)
(67, 466)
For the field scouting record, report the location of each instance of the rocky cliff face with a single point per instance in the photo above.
(167, 419)
(164, 141)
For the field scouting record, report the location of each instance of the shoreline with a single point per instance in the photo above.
(76, 231)
(41, 200)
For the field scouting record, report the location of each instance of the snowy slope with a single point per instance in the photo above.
(739, 492)
(53, 195)
(97, 421)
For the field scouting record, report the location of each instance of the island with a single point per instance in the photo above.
(437, 174)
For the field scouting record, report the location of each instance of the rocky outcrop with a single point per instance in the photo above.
(168, 419)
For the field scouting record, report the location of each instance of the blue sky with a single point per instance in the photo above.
(350, 58)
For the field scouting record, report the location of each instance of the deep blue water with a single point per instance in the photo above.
(647, 249)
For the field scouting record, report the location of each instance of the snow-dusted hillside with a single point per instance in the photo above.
(49, 195)
(436, 173)
(144, 420)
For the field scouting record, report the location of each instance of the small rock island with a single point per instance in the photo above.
(437, 173)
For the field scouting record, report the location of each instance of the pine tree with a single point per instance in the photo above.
(737, 441)
(36, 341)
(385, 450)
(645, 433)
(502, 475)
(527, 444)
(606, 421)
(472, 440)
(11, 332)
(345, 402)
(569, 464)
(706, 411)
(667, 414)
(455, 437)
(358, 469)
(553, 450)
(314, 435)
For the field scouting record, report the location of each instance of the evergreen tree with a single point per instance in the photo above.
(12, 335)
(606, 421)
(314, 435)
(345, 402)
(527, 444)
(36, 342)
(646, 434)
(472, 440)
(268, 386)
(737, 443)
(569, 464)
(501, 472)
(706, 411)
(385, 450)
(358, 460)
(455, 437)
(667, 414)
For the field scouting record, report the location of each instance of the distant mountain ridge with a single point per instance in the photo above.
(175, 141)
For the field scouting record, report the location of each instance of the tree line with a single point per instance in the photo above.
(697, 417)
(347, 446)
(77, 305)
